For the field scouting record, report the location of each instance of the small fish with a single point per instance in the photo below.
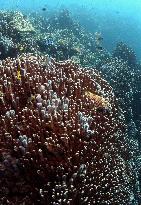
(18, 75)
(44, 9)
(100, 38)
(117, 12)
(99, 48)
(49, 41)
(18, 72)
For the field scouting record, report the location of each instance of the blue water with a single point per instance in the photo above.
(117, 20)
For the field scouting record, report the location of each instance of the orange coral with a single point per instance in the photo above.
(99, 101)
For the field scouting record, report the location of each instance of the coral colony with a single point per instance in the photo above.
(65, 139)
(62, 136)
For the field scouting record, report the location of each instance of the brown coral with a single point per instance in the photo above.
(54, 147)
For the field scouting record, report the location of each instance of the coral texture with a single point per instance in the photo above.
(62, 136)
(122, 51)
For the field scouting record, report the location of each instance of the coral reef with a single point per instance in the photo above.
(125, 81)
(7, 47)
(14, 23)
(62, 136)
(122, 51)
(70, 39)
(120, 77)
(20, 23)
(16, 34)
